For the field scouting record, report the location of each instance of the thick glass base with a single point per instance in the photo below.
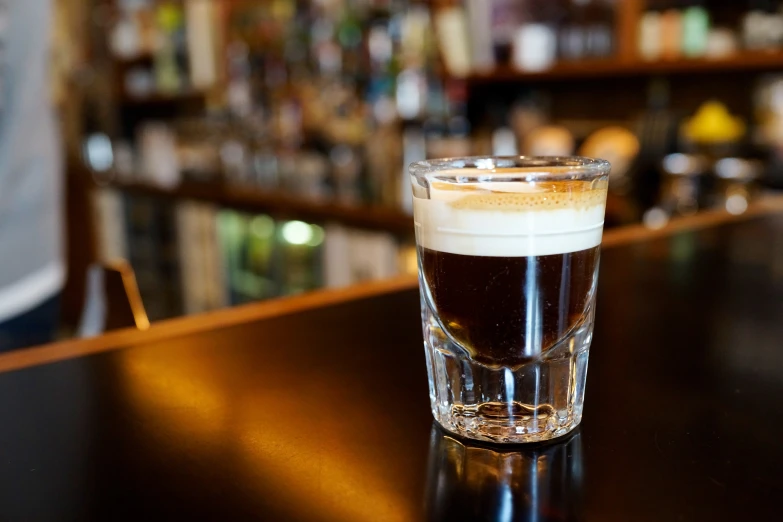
(536, 401)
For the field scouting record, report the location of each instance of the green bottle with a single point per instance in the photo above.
(695, 30)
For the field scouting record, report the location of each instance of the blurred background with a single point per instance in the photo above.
(234, 151)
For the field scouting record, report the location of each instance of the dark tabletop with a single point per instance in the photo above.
(323, 414)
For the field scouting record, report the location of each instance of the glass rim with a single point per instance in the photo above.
(530, 168)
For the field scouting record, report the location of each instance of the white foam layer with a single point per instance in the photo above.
(441, 226)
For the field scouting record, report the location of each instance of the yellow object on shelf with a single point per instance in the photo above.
(713, 123)
(169, 17)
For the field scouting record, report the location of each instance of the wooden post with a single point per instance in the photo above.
(72, 32)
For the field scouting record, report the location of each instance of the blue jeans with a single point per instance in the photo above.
(37, 326)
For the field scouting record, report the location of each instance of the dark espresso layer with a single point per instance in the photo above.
(506, 310)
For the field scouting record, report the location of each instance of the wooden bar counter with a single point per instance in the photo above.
(316, 408)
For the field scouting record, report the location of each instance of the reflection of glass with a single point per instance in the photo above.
(467, 482)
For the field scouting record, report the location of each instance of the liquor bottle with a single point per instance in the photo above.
(649, 43)
(762, 25)
(600, 28)
(505, 20)
(695, 29)
(238, 91)
(457, 124)
(479, 13)
(325, 49)
(671, 32)
(414, 148)
(201, 42)
(170, 56)
(452, 29)
(350, 37)
(535, 39)
(300, 247)
(125, 36)
(572, 38)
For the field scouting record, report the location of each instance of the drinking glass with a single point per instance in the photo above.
(508, 264)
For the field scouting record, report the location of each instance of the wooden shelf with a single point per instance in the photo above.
(163, 98)
(282, 205)
(609, 68)
(142, 59)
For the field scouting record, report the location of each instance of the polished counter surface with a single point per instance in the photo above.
(316, 408)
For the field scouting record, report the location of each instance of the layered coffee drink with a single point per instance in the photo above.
(510, 267)
(508, 262)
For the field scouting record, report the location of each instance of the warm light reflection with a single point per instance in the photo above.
(174, 389)
(186, 393)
